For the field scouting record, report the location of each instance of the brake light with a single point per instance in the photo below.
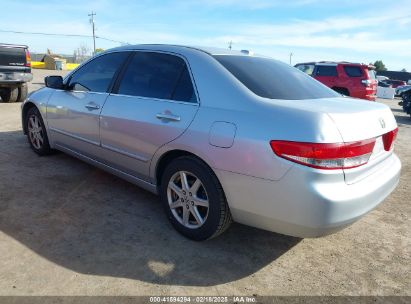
(389, 138)
(28, 58)
(325, 156)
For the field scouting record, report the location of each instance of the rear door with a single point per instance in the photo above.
(153, 103)
(73, 114)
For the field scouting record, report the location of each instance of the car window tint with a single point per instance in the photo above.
(273, 79)
(353, 71)
(326, 70)
(97, 74)
(157, 75)
(184, 90)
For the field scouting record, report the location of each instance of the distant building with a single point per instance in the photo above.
(404, 76)
(54, 62)
(69, 58)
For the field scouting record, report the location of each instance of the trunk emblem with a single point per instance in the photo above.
(382, 123)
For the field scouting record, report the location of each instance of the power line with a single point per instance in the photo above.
(45, 34)
(62, 35)
(117, 41)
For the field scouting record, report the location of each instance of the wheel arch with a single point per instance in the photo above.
(26, 107)
(341, 90)
(167, 157)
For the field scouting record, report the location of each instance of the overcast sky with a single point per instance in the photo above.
(360, 31)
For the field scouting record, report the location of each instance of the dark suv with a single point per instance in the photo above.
(15, 71)
(351, 79)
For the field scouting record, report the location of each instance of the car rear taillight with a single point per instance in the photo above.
(325, 156)
(388, 139)
(28, 58)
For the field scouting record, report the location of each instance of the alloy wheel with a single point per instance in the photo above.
(187, 199)
(35, 131)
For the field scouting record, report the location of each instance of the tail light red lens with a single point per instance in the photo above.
(325, 156)
(389, 138)
(28, 58)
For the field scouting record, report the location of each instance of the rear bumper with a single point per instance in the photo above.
(364, 93)
(370, 97)
(14, 77)
(307, 202)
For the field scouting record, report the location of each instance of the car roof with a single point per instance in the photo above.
(185, 48)
(14, 45)
(335, 63)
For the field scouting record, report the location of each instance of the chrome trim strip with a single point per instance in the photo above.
(156, 99)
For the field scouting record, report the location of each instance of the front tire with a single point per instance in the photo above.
(194, 200)
(36, 132)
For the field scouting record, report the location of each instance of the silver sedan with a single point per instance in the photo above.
(221, 135)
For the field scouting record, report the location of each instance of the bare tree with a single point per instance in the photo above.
(81, 53)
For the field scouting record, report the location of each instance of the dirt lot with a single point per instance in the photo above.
(67, 228)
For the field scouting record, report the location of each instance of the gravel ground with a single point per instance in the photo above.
(67, 228)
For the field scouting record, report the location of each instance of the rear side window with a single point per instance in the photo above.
(326, 70)
(97, 74)
(353, 71)
(273, 79)
(306, 68)
(157, 75)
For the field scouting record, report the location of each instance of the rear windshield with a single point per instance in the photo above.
(371, 74)
(273, 79)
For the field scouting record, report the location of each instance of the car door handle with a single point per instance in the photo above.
(167, 116)
(92, 106)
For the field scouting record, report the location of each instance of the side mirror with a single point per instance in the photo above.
(54, 82)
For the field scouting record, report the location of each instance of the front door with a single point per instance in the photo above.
(73, 113)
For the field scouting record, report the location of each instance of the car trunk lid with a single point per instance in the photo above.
(360, 120)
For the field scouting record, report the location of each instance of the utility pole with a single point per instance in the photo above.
(94, 31)
(291, 55)
(230, 45)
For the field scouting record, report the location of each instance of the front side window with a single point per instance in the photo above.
(353, 71)
(97, 74)
(157, 75)
(326, 70)
(273, 79)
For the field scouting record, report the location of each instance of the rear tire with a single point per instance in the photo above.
(9, 94)
(36, 132)
(193, 199)
(22, 92)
